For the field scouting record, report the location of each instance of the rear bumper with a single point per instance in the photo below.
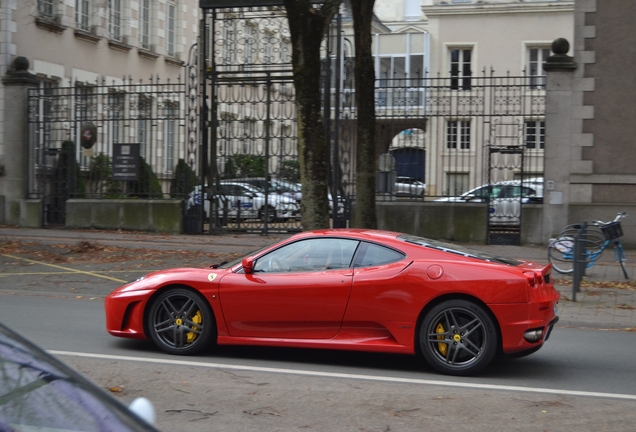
(550, 327)
(517, 319)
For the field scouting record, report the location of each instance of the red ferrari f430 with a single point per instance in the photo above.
(348, 289)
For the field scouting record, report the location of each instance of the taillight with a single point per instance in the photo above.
(532, 277)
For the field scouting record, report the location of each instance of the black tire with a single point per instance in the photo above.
(560, 254)
(561, 249)
(271, 214)
(458, 337)
(180, 321)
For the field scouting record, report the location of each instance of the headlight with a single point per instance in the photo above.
(137, 280)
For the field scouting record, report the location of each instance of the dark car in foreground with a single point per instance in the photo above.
(348, 289)
(40, 393)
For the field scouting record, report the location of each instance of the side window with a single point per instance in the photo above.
(517, 192)
(528, 192)
(482, 192)
(497, 192)
(371, 254)
(309, 255)
(240, 190)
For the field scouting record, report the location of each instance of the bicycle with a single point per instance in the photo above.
(596, 237)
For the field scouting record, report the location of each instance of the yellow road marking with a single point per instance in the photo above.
(71, 272)
(66, 268)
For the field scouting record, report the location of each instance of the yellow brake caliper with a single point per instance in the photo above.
(197, 319)
(442, 347)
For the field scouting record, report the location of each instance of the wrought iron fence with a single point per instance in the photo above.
(436, 137)
(148, 115)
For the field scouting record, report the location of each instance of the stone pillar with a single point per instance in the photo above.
(13, 184)
(559, 117)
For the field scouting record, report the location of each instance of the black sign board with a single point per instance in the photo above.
(126, 162)
(212, 4)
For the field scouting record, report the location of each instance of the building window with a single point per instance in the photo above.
(536, 57)
(535, 134)
(46, 8)
(458, 134)
(115, 114)
(172, 112)
(144, 24)
(460, 68)
(456, 183)
(82, 14)
(144, 115)
(171, 24)
(396, 75)
(114, 20)
(47, 111)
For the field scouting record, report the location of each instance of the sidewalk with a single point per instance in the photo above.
(606, 300)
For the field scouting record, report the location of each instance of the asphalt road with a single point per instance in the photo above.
(582, 379)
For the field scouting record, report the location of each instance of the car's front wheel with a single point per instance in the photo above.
(271, 214)
(458, 337)
(180, 321)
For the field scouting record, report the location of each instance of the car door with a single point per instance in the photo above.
(239, 201)
(379, 294)
(298, 291)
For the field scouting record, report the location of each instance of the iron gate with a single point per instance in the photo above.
(253, 173)
(437, 137)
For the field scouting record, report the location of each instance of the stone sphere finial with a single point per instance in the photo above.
(21, 63)
(560, 46)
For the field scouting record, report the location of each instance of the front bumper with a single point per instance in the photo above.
(124, 313)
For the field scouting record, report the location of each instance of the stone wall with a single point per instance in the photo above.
(135, 215)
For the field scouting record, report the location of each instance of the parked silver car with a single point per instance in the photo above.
(505, 198)
(244, 201)
(287, 188)
(408, 186)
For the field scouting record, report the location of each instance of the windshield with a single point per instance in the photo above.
(230, 264)
(458, 250)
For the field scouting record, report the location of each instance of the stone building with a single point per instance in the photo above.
(590, 158)
(82, 44)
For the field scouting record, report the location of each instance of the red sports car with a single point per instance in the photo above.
(348, 289)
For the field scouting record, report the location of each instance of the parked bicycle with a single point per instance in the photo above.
(597, 236)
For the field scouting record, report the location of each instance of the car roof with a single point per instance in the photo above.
(238, 183)
(405, 242)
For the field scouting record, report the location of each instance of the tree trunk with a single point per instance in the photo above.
(364, 215)
(308, 27)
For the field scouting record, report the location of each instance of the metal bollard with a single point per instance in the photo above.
(580, 259)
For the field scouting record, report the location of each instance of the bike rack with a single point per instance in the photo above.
(580, 260)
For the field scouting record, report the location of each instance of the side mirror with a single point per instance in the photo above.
(144, 409)
(248, 265)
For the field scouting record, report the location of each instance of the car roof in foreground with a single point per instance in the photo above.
(394, 238)
(34, 383)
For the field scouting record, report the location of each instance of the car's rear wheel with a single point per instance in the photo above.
(458, 337)
(271, 214)
(180, 321)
